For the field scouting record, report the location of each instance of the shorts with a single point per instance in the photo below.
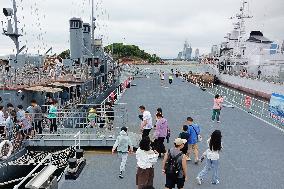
(172, 182)
(193, 146)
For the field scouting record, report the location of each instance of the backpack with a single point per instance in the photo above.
(172, 168)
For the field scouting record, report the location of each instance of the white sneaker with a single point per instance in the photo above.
(218, 121)
(188, 158)
(198, 180)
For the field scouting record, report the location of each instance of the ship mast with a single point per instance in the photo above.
(93, 27)
(11, 32)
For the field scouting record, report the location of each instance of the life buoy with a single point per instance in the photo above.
(6, 156)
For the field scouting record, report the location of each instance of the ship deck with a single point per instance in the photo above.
(253, 150)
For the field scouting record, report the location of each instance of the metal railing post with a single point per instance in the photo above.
(262, 110)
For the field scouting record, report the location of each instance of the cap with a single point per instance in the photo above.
(180, 141)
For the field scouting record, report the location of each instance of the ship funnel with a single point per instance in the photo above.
(87, 39)
(8, 12)
(76, 38)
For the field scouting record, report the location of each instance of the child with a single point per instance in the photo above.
(184, 135)
(121, 144)
(212, 158)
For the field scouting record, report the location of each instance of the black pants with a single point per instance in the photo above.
(53, 125)
(170, 81)
(159, 145)
(146, 132)
(38, 126)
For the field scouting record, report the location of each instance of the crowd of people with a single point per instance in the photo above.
(17, 124)
(174, 160)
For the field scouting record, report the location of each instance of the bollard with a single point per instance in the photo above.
(72, 162)
(79, 153)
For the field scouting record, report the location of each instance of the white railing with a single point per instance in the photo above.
(258, 107)
(77, 137)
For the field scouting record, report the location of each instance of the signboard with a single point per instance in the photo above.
(276, 107)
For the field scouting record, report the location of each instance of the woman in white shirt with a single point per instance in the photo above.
(146, 158)
(212, 158)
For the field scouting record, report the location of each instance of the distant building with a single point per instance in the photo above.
(186, 53)
(214, 51)
(196, 53)
(282, 47)
(179, 56)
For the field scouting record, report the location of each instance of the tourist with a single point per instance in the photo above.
(109, 115)
(171, 79)
(146, 123)
(146, 158)
(184, 135)
(52, 115)
(37, 116)
(174, 165)
(160, 134)
(10, 108)
(2, 117)
(212, 158)
(193, 131)
(26, 125)
(10, 124)
(217, 108)
(258, 74)
(159, 110)
(248, 103)
(20, 113)
(122, 144)
(92, 116)
(162, 77)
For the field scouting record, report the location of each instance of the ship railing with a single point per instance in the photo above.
(77, 141)
(257, 107)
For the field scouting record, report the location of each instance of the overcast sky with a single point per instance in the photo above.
(158, 26)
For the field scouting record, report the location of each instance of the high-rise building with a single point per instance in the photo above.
(186, 53)
(214, 50)
(196, 53)
(282, 47)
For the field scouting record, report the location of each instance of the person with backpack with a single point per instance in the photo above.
(194, 138)
(171, 78)
(174, 165)
(122, 144)
(212, 158)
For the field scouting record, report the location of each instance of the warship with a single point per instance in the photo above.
(254, 63)
(89, 78)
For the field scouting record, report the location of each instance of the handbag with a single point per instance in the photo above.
(199, 137)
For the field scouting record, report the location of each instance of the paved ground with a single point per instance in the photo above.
(253, 151)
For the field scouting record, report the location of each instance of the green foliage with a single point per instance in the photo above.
(65, 54)
(119, 50)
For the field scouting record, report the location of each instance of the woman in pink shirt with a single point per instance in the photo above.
(217, 108)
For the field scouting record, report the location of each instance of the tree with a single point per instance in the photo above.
(120, 50)
(65, 54)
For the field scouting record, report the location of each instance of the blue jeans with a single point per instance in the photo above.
(210, 164)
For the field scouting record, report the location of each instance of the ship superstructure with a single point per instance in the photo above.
(88, 73)
(254, 55)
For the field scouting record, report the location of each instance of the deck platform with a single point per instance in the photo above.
(252, 157)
